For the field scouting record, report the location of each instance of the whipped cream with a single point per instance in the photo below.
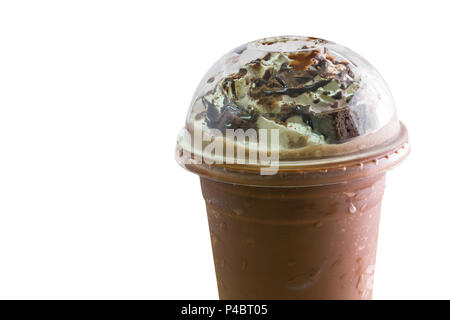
(313, 94)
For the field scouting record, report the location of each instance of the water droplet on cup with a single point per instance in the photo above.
(365, 281)
(364, 206)
(336, 263)
(224, 264)
(318, 224)
(291, 263)
(303, 281)
(214, 239)
(238, 211)
(350, 194)
(352, 209)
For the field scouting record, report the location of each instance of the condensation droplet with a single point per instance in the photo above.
(291, 263)
(238, 211)
(361, 165)
(318, 224)
(365, 282)
(363, 206)
(224, 264)
(350, 194)
(303, 281)
(336, 263)
(214, 239)
(352, 209)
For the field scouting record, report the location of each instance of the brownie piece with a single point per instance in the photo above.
(337, 126)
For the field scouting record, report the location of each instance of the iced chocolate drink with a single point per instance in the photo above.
(292, 138)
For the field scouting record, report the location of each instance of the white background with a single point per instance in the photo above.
(93, 94)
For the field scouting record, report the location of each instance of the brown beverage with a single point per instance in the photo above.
(315, 242)
(310, 230)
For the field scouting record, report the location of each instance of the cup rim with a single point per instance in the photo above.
(311, 172)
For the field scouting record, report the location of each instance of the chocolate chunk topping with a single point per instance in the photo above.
(284, 67)
(242, 71)
(287, 112)
(212, 114)
(230, 116)
(288, 83)
(350, 72)
(259, 82)
(294, 92)
(337, 96)
(280, 80)
(233, 88)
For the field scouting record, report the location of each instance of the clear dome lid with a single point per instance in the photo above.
(308, 97)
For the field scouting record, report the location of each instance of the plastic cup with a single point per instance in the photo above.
(308, 231)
